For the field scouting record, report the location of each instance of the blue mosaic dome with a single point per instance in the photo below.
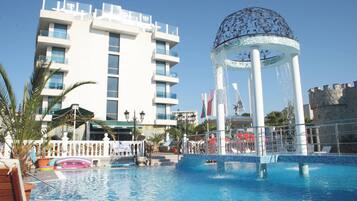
(252, 22)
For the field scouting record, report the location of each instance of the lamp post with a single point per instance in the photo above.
(142, 115)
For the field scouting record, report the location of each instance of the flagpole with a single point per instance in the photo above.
(207, 122)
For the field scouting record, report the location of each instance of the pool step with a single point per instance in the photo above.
(163, 159)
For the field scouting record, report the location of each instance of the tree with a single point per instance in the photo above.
(155, 140)
(19, 121)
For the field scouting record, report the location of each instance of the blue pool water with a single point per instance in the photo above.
(238, 183)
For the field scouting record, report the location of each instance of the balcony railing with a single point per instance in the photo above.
(55, 85)
(54, 34)
(165, 116)
(166, 95)
(168, 74)
(166, 28)
(167, 52)
(45, 110)
(53, 58)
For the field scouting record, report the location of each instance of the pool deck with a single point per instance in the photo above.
(277, 158)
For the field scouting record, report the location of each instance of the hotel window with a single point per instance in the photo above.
(112, 110)
(112, 87)
(60, 31)
(160, 68)
(58, 55)
(160, 89)
(56, 81)
(56, 106)
(114, 42)
(160, 111)
(160, 47)
(113, 64)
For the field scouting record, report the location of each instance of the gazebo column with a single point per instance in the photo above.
(301, 143)
(220, 110)
(252, 108)
(299, 107)
(258, 106)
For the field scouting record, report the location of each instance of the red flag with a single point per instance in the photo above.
(210, 103)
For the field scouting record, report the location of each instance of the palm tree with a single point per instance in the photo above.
(19, 121)
(155, 140)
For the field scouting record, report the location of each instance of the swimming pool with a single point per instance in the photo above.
(238, 183)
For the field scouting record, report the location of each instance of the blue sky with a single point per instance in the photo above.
(326, 31)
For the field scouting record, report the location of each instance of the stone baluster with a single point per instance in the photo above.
(106, 144)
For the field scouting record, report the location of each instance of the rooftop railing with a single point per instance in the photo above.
(109, 12)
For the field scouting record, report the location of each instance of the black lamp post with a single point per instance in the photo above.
(142, 115)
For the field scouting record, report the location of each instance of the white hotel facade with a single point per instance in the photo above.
(126, 53)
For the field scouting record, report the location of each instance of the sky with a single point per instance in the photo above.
(325, 29)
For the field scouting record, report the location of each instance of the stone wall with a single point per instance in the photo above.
(335, 104)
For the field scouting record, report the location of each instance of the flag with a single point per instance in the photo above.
(210, 103)
(203, 113)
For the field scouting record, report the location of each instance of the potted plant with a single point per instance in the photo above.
(155, 140)
(43, 161)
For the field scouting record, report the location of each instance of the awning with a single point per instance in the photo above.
(115, 124)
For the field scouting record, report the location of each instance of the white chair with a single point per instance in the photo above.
(325, 150)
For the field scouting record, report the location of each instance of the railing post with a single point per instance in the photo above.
(8, 146)
(317, 131)
(106, 145)
(64, 144)
(184, 147)
(337, 138)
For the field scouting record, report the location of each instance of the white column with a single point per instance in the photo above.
(299, 107)
(258, 100)
(252, 109)
(220, 110)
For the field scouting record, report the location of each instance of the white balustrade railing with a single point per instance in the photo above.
(84, 149)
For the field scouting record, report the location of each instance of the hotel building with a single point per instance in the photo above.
(127, 54)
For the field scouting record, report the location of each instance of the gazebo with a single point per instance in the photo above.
(252, 39)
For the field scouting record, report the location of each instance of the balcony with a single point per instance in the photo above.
(166, 98)
(165, 119)
(166, 77)
(57, 62)
(166, 32)
(43, 115)
(53, 38)
(53, 89)
(55, 85)
(166, 55)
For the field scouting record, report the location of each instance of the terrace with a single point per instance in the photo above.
(113, 13)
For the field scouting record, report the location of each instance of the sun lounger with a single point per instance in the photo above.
(12, 187)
